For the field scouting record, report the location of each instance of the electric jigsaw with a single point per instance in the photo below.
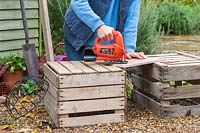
(110, 53)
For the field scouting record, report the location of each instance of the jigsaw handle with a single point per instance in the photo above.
(117, 38)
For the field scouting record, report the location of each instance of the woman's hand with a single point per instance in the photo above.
(136, 55)
(105, 33)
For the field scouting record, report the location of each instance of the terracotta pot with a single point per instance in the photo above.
(12, 78)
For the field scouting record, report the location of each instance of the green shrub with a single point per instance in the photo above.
(175, 18)
(148, 36)
(57, 9)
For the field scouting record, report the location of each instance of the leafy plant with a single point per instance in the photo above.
(27, 87)
(176, 18)
(14, 62)
(57, 9)
(148, 39)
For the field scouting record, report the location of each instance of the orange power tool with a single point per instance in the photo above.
(110, 53)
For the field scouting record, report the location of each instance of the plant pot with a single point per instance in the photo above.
(11, 78)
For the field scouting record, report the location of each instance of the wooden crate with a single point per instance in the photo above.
(84, 93)
(171, 87)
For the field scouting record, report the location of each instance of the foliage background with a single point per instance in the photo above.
(157, 17)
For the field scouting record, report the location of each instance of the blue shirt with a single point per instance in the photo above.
(110, 19)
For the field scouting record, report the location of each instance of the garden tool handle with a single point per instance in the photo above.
(24, 22)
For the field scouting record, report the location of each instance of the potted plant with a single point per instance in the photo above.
(16, 67)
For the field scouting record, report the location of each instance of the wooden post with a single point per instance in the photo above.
(46, 30)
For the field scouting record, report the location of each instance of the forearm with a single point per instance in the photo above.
(86, 14)
(131, 24)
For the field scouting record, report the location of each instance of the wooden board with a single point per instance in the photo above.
(66, 121)
(90, 120)
(67, 107)
(69, 75)
(67, 94)
(15, 4)
(164, 91)
(138, 62)
(164, 111)
(173, 67)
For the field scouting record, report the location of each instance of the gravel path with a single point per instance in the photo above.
(138, 120)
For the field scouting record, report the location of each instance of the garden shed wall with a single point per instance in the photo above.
(11, 26)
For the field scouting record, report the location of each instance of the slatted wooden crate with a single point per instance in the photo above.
(84, 93)
(171, 87)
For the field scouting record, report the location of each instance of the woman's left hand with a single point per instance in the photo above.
(131, 55)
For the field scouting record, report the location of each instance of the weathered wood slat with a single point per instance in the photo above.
(164, 111)
(83, 67)
(188, 55)
(86, 92)
(51, 111)
(51, 75)
(95, 66)
(16, 44)
(147, 86)
(15, 4)
(16, 14)
(17, 24)
(112, 68)
(91, 105)
(147, 102)
(138, 62)
(88, 120)
(179, 92)
(71, 67)
(58, 68)
(92, 79)
(17, 34)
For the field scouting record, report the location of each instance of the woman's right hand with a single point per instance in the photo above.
(105, 33)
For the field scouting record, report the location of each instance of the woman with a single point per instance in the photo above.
(86, 19)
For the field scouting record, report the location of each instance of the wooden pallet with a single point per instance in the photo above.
(167, 111)
(175, 78)
(84, 93)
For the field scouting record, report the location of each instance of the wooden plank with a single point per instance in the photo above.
(51, 75)
(72, 68)
(148, 86)
(17, 34)
(16, 44)
(96, 67)
(189, 55)
(111, 68)
(18, 51)
(179, 92)
(16, 14)
(162, 55)
(51, 112)
(147, 102)
(86, 92)
(58, 68)
(83, 67)
(13, 4)
(89, 120)
(138, 62)
(167, 111)
(46, 30)
(92, 79)
(92, 92)
(181, 72)
(17, 24)
(178, 110)
(182, 62)
(91, 105)
(53, 90)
